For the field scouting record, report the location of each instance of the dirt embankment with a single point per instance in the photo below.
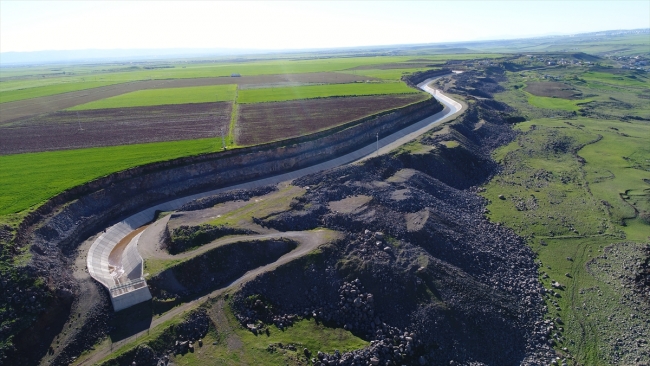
(55, 230)
(421, 271)
(462, 288)
(217, 268)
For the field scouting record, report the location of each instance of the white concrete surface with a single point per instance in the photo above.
(97, 260)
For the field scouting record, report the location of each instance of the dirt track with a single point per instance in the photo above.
(308, 241)
(32, 107)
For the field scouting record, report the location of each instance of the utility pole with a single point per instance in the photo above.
(79, 122)
(377, 143)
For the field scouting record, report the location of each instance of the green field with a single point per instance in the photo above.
(27, 180)
(386, 74)
(555, 103)
(574, 208)
(40, 77)
(29, 93)
(320, 91)
(143, 98)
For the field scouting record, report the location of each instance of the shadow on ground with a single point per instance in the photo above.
(131, 321)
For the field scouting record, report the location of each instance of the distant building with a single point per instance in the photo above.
(235, 75)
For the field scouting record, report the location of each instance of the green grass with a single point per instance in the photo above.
(568, 207)
(386, 74)
(555, 103)
(143, 98)
(321, 91)
(230, 344)
(27, 180)
(236, 346)
(41, 91)
(616, 79)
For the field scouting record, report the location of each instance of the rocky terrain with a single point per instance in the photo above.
(421, 273)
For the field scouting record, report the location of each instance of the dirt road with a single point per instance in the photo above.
(307, 242)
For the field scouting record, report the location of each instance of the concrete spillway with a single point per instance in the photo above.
(113, 258)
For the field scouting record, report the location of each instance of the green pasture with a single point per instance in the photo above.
(320, 91)
(29, 93)
(573, 206)
(27, 180)
(555, 103)
(150, 97)
(625, 80)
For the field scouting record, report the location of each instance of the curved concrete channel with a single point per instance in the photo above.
(121, 273)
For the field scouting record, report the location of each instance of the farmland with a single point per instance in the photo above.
(27, 180)
(29, 93)
(117, 126)
(265, 122)
(135, 112)
(321, 91)
(48, 104)
(143, 98)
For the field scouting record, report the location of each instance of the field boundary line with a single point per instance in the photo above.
(234, 115)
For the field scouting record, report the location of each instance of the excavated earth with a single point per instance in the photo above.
(419, 271)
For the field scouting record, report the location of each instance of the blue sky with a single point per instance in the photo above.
(54, 25)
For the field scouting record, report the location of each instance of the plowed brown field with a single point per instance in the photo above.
(31, 107)
(264, 122)
(111, 127)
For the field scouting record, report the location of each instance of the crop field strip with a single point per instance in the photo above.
(27, 180)
(29, 93)
(67, 130)
(264, 122)
(154, 97)
(248, 96)
(30, 107)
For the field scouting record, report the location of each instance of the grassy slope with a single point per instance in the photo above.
(27, 180)
(230, 344)
(320, 91)
(142, 98)
(569, 207)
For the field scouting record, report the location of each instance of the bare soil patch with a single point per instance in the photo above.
(30, 107)
(112, 127)
(553, 89)
(264, 122)
(349, 204)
